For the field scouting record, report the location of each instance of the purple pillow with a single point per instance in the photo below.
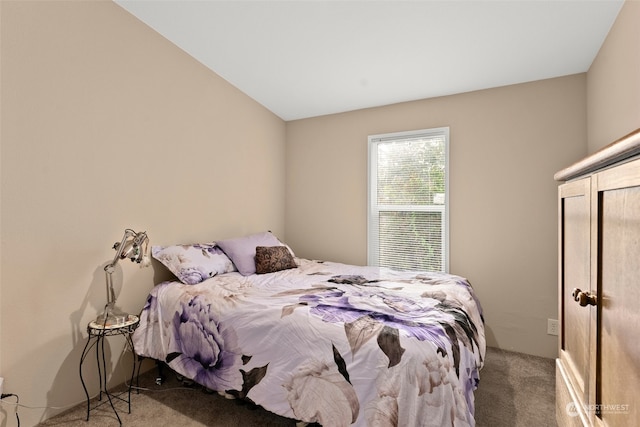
(242, 250)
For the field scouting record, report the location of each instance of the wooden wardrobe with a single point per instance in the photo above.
(598, 367)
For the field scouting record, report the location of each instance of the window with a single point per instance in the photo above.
(408, 200)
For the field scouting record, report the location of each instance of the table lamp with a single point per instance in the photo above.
(130, 247)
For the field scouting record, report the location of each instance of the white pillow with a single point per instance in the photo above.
(193, 263)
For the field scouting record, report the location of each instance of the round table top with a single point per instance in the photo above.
(130, 323)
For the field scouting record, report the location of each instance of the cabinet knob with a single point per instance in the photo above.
(584, 298)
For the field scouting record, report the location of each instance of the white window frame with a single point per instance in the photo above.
(374, 209)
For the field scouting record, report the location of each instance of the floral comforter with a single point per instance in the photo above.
(329, 343)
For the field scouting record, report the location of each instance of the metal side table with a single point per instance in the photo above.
(97, 334)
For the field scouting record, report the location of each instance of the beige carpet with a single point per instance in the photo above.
(515, 390)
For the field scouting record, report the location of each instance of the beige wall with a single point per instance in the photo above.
(505, 146)
(106, 125)
(613, 81)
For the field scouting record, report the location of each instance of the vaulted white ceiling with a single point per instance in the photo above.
(309, 58)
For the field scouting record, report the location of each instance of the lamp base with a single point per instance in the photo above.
(112, 316)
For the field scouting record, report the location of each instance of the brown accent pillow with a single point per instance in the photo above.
(270, 259)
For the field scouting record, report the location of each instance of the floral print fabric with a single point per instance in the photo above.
(329, 343)
(193, 263)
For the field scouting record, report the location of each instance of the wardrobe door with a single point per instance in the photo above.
(618, 370)
(572, 382)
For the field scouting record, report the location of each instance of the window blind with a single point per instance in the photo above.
(408, 187)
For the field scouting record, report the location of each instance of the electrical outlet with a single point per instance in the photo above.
(552, 327)
(1, 385)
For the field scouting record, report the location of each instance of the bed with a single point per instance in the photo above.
(317, 342)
